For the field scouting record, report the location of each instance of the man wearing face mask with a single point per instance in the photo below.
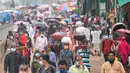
(106, 45)
(66, 54)
(12, 61)
(41, 42)
(9, 40)
(78, 67)
(62, 67)
(112, 66)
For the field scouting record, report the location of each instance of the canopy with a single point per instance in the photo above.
(122, 2)
(5, 16)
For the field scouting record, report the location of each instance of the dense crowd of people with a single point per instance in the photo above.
(54, 45)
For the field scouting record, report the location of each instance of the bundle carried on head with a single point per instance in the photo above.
(79, 33)
(66, 40)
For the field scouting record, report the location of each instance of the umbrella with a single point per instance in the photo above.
(118, 26)
(63, 7)
(75, 16)
(123, 31)
(42, 7)
(67, 20)
(58, 35)
(46, 12)
(19, 22)
(41, 24)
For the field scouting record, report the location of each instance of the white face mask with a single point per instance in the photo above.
(40, 62)
(78, 63)
(13, 49)
(26, 35)
(105, 37)
(22, 72)
(11, 37)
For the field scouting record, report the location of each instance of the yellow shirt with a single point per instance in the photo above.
(117, 67)
(74, 69)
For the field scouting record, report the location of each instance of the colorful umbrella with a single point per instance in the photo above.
(63, 7)
(58, 35)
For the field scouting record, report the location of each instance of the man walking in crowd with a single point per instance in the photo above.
(12, 61)
(41, 42)
(96, 40)
(9, 41)
(47, 67)
(78, 67)
(62, 67)
(112, 66)
(52, 55)
(66, 54)
(106, 46)
(85, 53)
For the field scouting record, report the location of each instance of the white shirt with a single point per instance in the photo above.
(41, 43)
(96, 36)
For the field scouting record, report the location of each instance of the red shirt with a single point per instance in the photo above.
(107, 43)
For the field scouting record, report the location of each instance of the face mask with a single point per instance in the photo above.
(11, 37)
(111, 37)
(63, 71)
(77, 63)
(105, 37)
(13, 49)
(66, 47)
(22, 72)
(40, 62)
(26, 35)
(111, 60)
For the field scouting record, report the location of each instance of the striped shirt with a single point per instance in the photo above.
(85, 57)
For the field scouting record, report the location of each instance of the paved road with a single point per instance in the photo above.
(96, 63)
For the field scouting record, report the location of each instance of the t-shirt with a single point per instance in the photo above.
(85, 57)
(96, 36)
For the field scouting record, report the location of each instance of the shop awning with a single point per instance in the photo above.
(122, 2)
